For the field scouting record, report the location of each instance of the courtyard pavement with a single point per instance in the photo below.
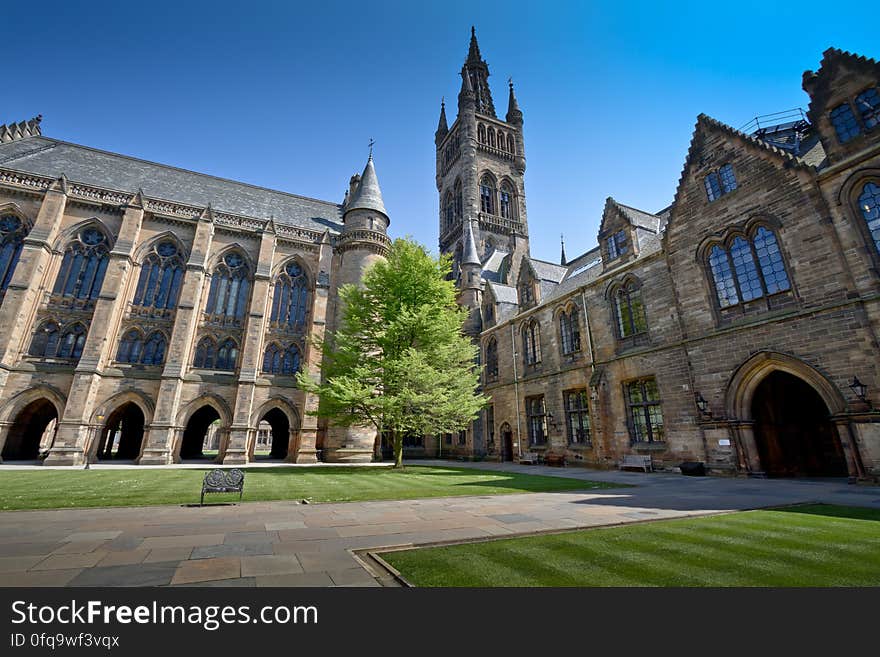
(291, 544)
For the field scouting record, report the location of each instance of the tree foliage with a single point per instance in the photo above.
(399, 359)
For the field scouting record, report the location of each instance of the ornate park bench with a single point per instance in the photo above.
(642, 461)
(223, 481)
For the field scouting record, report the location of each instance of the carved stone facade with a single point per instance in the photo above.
(737, 327)
(145, 307)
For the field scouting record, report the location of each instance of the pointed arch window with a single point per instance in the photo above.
(487, 195)
(83, 267)
(511, 148)
(531, 336)
(230, 287)
(206, 353)
(481, 133)
(12, 232)
(869, 204)
(277, 360)
(459, 200)
(133, 348)
(570, 332)
(161, 277)
(448, 211)
(290, 302)
(491, 138)
(506, 201)
(630, 310)
(72, 342)
(501, 141)
(227, 355)
(749, 268)
(45, 341)
(492, 359)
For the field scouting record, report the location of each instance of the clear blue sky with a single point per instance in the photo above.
(287, 95)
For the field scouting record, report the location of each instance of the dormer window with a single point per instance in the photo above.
(844, 122)
(616, 245)
(720, 182)
(526, 294)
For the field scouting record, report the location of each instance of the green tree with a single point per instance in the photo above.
(399, 359)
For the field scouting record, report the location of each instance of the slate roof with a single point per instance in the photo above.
(492, 267)
(50, 157)
(368, 196)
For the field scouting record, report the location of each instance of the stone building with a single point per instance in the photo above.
(148, 311)
(738, 327)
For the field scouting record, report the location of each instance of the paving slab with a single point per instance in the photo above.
(288, 544)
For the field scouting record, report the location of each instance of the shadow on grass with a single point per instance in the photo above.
(834, 511)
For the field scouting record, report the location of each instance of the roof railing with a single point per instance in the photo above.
(774, 121)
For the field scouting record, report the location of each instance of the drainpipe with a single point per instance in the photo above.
(592, 356)
(519, 435)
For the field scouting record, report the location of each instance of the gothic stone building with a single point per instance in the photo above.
(737, 327)
(147, 310)
(144, 308)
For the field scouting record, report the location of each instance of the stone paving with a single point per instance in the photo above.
(291, 544)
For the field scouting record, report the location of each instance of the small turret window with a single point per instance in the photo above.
(844, 122)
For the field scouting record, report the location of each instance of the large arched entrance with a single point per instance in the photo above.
(201, 437)
(32, 433)
(506, 442)
(122, 434)
(793, 432)
(277, 437)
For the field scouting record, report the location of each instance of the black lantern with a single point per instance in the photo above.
(859, 388)
(702, 404)
(550, 420)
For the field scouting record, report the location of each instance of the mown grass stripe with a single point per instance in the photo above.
(811, 546)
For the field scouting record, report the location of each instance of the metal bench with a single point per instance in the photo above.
(223, 481)
(642, 461)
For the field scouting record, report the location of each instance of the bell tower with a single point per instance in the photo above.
(480, 176)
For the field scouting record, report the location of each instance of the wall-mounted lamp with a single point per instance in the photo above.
(859, 388)
(551, 421)
(702, 405)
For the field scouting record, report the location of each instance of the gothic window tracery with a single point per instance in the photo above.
(459, 201)
(213, 356)
(12, 232)
(506, 201)
(161, 277)
(83, 267)
(629, 310)
(569, 330)
(230, 287)
(487, 195)
(278, 360)
(133, 348)
(869, 205)
(290, 302)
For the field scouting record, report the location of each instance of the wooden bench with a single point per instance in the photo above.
(557, 459)
(223, 481)
(642, 461)
(530, 458)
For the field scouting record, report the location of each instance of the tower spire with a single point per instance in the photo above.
(514, 115)
(367, 196)
(477, 72)
(442, 126)
(562, 260)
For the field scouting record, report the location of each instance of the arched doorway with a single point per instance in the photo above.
(201, 435)
(278, 435)
(506, 442)
(122, 434)
(793, 433)
(32, 433)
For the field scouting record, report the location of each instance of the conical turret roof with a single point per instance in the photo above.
(367, 196)
(470, 255)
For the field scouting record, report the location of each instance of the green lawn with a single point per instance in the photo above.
(815, 545)
(35, 489)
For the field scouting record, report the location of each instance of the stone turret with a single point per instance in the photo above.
(363, 241)
(470, 294)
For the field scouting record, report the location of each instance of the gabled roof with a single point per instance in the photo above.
(51, 158)
(547, 271)
(491, 268)
(706, 124)
(819, 84)
(631, 215)
(503, 293)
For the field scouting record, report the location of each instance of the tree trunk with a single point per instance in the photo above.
(398, 449)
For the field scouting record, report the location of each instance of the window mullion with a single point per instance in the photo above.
(734, 275)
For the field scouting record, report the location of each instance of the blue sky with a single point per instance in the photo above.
(287, 95)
